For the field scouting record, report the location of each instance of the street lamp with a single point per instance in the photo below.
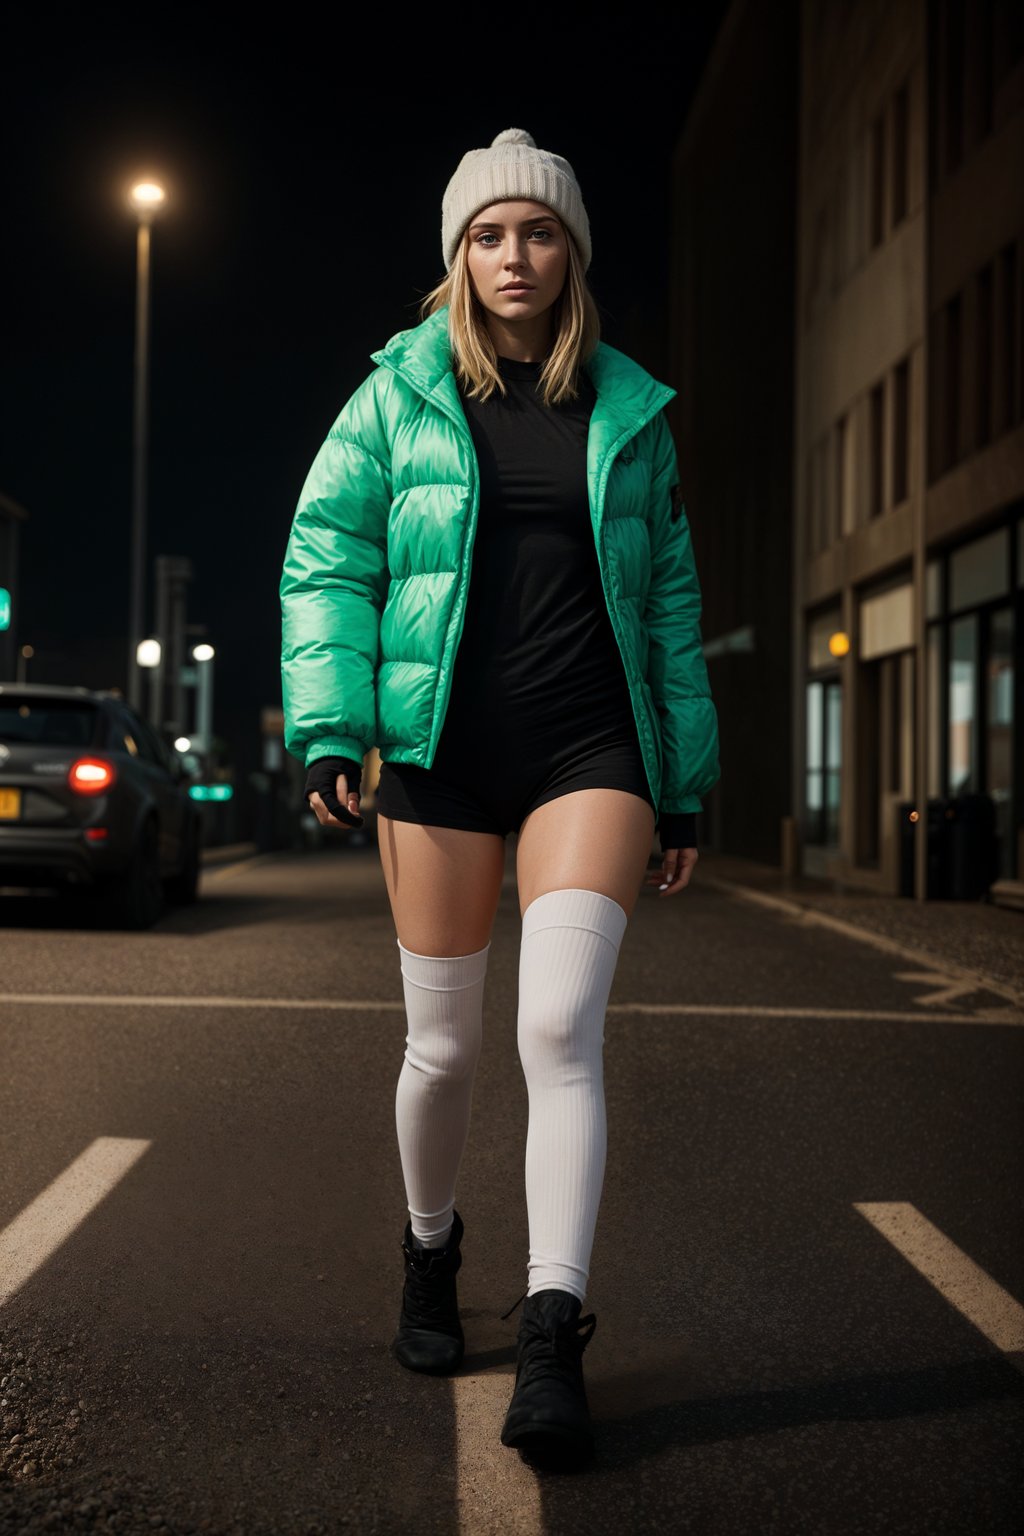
(204, 655)
(147, 197)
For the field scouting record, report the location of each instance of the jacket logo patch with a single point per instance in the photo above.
(678, 507)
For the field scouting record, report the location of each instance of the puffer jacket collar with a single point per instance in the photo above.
(627, 394)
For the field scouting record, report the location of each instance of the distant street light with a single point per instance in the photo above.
(204, 654)
(148, 653)
(146, 197)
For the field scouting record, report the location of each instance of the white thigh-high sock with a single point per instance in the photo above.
(570, 948)
(444, 1006)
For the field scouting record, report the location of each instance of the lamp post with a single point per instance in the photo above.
(146, 197)
(204, 655)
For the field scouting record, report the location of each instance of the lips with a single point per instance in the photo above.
(517, 288)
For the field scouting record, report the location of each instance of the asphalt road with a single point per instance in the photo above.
(807, 1276)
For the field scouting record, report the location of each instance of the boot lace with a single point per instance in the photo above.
(553, 1352)
(428, 1291)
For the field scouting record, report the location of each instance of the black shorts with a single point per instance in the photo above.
(495, 793)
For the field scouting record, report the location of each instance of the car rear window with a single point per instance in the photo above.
(47, 722)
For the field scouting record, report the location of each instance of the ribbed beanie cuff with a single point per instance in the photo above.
(512, 167)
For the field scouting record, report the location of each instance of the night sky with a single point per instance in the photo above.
(305, 165)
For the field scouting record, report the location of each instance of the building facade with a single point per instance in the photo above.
(895, 698)
(909, 435)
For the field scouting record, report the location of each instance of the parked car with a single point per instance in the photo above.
(92, 800)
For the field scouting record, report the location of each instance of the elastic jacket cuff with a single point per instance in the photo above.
(677, 829)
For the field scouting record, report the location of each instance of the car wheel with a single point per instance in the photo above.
(136, 898)
(184, 886)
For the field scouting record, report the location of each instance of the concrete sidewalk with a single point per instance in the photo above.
(973, 939)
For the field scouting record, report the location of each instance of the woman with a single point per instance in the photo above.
(490, 576)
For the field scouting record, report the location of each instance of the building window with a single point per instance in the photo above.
(877, 187)
(901, 432)
(900, 145)
(1007, 339)
(979, 65)
(953, 82)
(840, 478)
(963, 705)
(983, 358)
(877, 506)
(823, 763)
(950, 450)
(935, 717)
(820, 520)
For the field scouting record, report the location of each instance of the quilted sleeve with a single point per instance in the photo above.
(677, 672)
(334, 585)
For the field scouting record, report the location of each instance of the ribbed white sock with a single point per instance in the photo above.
(569, 951)
(444, 1008)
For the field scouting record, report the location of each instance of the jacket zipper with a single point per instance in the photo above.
(639, 704)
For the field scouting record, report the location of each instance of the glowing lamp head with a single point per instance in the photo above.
(839, 643)
(147, 197)
(203, 652)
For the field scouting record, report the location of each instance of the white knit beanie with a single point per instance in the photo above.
(512, 167)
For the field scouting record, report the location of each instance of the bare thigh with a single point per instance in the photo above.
(443, 884)
(593, 839)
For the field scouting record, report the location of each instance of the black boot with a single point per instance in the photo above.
(429, 1336)
(548, 1419)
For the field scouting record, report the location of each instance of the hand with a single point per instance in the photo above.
(327, 791)
(677, 865)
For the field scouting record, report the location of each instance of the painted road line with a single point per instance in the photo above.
(851, 930)
(212, 872)
(41, 1228)
(964, 1284)
(1008, 1016)
(498, 1494)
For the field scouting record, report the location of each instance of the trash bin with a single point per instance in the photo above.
(937, 856)
(973, 846)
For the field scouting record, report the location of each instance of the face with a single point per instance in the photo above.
(520, 242)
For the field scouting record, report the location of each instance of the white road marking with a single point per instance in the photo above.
(849, 930)
(1001, 1015)
(38, 1231)
(965, 1285)
(943, 989)
(497, 1492)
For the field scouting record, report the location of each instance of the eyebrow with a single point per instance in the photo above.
(540, 219)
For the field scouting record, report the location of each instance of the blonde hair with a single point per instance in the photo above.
(577, 330)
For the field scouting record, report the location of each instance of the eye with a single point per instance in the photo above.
(540, 230)
(487, 235)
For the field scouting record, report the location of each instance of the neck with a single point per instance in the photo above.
(525, 341)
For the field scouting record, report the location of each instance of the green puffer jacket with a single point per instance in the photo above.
(377, 568)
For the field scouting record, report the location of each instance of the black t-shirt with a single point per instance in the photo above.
(538, 663)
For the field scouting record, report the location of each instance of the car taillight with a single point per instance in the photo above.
(91, 775)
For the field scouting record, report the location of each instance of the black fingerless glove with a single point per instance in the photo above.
(323, 776)
(678, 829)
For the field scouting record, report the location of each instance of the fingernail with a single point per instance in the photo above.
(664, 887)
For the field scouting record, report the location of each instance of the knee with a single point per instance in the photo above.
(554, 1037)
(446, 1055)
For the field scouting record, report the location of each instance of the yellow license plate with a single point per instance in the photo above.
(10, 804)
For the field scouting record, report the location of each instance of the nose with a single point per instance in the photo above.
(513, 256)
